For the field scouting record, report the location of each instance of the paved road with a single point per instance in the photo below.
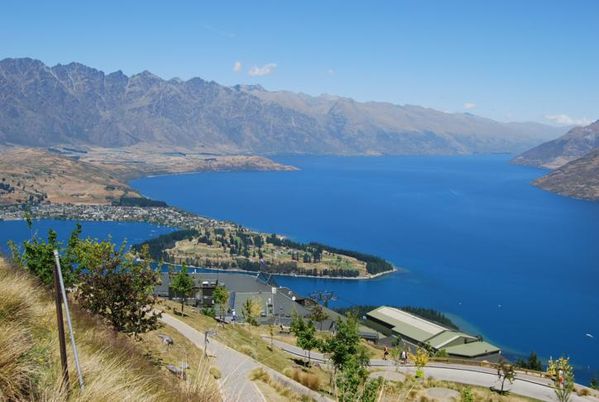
(525, 385)
(235, 367)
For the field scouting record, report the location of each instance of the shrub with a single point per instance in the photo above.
(583, 392)
(466, 395)
(248, 350)
(309, 380)
(260, 374)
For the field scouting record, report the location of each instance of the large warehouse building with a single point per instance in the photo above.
(417, 331)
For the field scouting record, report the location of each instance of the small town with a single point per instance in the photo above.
(163, 216)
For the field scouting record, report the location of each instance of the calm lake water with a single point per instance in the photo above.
(117, 232)
(509, 261)
(504, 259)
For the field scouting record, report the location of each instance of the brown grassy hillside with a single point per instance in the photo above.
(115, 368)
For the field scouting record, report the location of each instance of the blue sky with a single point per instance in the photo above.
(508, 60)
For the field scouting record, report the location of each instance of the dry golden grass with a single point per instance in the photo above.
(285, 393)
(115, 367)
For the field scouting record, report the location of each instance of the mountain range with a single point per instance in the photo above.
(73, 104)
(575, 160)
(553, 154)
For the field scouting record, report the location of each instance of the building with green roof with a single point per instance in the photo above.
(417, 331)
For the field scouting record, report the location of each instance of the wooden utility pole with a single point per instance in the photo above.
(61, 336)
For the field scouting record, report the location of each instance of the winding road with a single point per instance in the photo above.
(525, 385)
(235, 368)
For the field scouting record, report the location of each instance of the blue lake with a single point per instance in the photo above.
(511, 262)
(117, 232)
(504, 259)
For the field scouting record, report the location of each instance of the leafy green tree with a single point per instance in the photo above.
(317, 314)
(118, 286)
(594, 383)
(250, 311)
(349, 359)
(532, 363)
(182, 285)
(395, 353)
(38, 257)
(221, 298)
(345, 343)
(28, 222)
(305, 334)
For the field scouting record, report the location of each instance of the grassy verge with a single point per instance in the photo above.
(114, 366)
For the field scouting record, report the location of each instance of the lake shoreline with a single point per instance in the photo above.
(327, 277)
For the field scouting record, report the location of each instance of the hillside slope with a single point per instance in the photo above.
(573, 145)
(32, 175)
(115, 368)
(578, 179)
(78, 105)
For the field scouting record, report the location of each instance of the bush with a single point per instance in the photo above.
(260, 374)
(583, 392)
(248, 350)
(309, 380)
(466, 395)
(209, 311)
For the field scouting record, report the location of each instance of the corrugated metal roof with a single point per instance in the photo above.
(440, 340)
(472, 349)
(406, 324)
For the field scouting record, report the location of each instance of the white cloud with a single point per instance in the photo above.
(237, 66)
(565, 120)
(469, 105)
(266, 69)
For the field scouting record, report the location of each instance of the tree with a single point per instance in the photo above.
(29, 222)
(305, 334)
(349, 359)
(350, 380)
(182, 285)
(505, 372)
(420, 359)
(38, 257)
(221, 298)
(532, 363)
(317, 314)
(118, 286)
(563, 377)
(396, 356)
(251, 310)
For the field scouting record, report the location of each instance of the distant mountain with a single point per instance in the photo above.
(574, 144)
(74, 104)
(579, 178)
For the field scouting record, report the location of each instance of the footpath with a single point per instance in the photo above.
(235, 368)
